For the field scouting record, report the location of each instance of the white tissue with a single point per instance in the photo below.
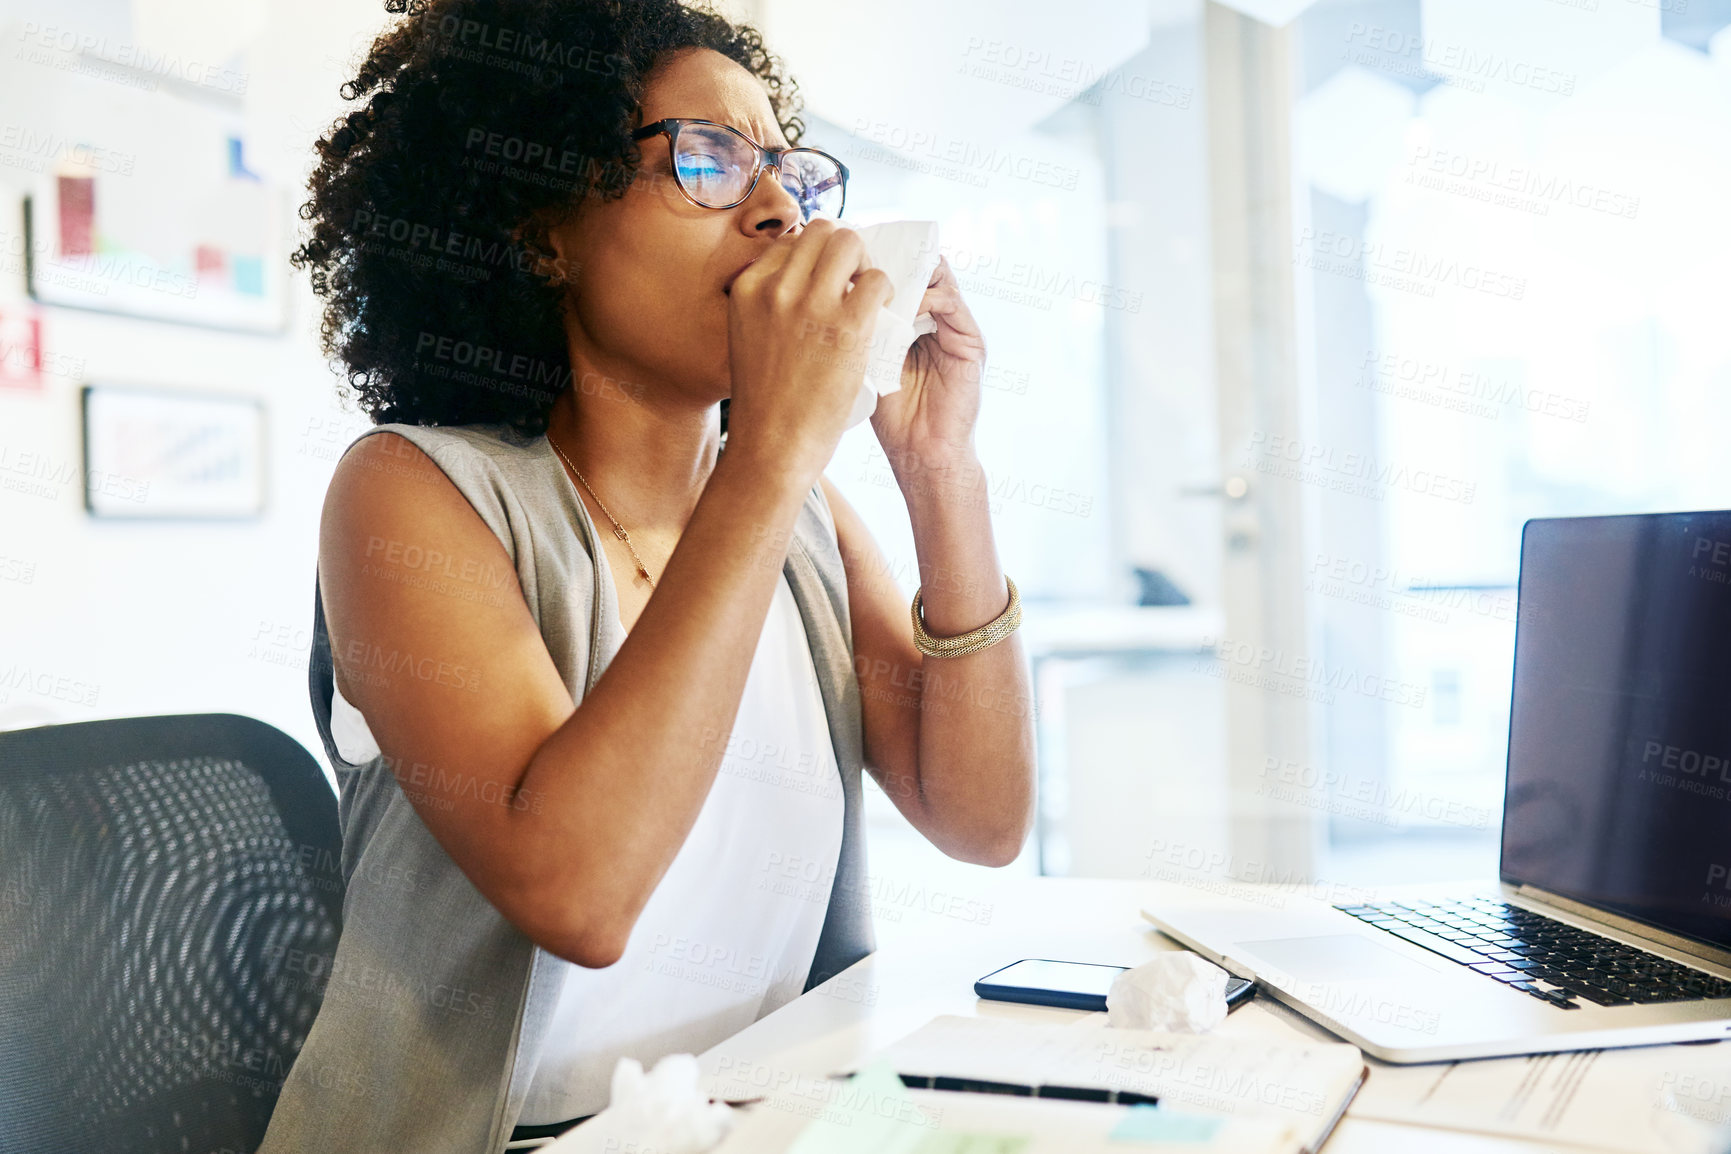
(908, 251)
(1178, 992)
(664, 1110)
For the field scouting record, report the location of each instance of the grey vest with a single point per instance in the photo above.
(435, 1006)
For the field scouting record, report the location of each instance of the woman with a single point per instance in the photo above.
(600, 786)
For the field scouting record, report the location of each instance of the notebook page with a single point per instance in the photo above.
(820, 1116)
(1302, 1083)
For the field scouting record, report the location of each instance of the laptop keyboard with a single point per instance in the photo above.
(1541, 956)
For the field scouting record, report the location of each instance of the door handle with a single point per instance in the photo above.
(1233, 488)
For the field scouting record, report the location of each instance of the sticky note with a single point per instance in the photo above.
(870, 1113)
(1156, 1124)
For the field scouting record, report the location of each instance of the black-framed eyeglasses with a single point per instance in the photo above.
(718, 166)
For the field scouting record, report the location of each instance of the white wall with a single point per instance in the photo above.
(181, 616)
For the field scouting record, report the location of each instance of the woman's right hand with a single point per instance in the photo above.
(800, 322)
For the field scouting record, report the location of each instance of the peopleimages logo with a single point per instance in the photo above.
(444, 241)
(521, 50)
(491, 359)
(1037, 69)
(966, 156)
(1717, 887)
(1374, 801)
(1714, 552)
(1711, 561)
(1461, 389)
(1691, 762)
(1295, 674)
(96, 273)
(46, 146)
(55, 686)
(1525, 187)
(100, 50)
(1406, 269)
(1699, 1096)
(1466, 65)
(1352, 473)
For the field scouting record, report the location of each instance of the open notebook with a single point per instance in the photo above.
(1214, 1094)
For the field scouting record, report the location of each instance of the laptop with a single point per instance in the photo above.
(1611, 925)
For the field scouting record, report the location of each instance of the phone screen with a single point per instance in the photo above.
(1072, 985)
(1059, 977)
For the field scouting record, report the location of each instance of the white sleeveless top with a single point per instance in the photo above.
(730, 932)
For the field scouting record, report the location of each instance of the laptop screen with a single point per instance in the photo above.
(1619, 782)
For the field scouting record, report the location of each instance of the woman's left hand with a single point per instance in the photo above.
(930, 421)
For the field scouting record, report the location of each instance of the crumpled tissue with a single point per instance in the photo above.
(664, 1110)
(908, 251)
(1179, 992)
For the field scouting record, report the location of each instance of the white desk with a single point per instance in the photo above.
(900, 988)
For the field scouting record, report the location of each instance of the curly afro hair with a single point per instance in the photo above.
(482, 122)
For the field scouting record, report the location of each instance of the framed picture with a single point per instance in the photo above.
(161, 454)
(199, 246)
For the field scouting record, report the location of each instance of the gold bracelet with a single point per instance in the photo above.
(984, 637)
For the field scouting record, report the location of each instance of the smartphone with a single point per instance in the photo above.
(1073, 985)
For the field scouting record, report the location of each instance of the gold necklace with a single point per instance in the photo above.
(618, 529)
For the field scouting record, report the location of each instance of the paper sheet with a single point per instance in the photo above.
(873, 1112)
(1303, 1084)
(1650, 1100)
(996, 1124)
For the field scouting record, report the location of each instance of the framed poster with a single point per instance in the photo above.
(162, 454)
(205, 245)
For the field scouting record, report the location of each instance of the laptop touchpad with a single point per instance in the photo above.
(1335, 958)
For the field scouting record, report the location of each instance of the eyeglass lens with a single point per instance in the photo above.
(715, 165)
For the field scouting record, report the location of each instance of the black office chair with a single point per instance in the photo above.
(170, 899)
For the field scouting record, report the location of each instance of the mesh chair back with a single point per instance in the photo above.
(170, 899)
